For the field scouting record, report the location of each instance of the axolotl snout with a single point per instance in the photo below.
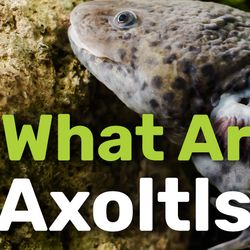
(174, 58)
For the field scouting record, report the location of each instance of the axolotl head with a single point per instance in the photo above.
(120, 43)
(171, 58)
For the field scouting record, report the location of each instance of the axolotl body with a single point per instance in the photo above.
(174, 59)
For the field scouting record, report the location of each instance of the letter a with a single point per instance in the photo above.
(33, 213)
(190, 146)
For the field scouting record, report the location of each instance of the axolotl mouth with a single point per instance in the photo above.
(233, 109)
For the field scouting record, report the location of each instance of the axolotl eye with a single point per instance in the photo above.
(125, 20)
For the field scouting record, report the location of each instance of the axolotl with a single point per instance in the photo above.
(174, 59)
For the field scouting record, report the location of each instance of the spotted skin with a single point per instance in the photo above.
(181, 58)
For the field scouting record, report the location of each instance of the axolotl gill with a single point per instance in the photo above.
(174, 59)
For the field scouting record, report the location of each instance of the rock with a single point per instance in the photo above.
(39, 74)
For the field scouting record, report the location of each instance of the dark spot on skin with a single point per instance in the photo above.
(122, 53)
(168, 47)
(208, 70)
(169, 59)
(128, 70)
(216, 179)
(192, 48)
(154, 104)
(129, 95)
(157, 82)
(155, 43)
(225, 169)
(119, 68)
(127, 36)
(110, 66)
(144, 86)
(134, 50)
(174, 28)
(179, 83)
(152, 23)
(168, 97)
(187, 67)
(133, 65)
(134, 57)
